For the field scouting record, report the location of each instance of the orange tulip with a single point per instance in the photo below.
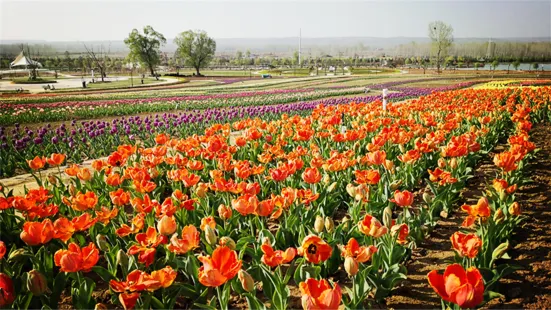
(501, 185)
(3, 249)
(361, 253)
(105, 215)
(403, 232)
(75, 259)
(459, 286)
(224, 212)
(146, 247)
(274, 258)
(190, 240)
(36, 233)
(55, 159)
(37, 163)
(72, 171)
(83, 222)
(314, 249)
(217, 269)
(318, 294)
(7, 291)
(403, 199)
(161, 139)
(167, 225)
(367, 176)
(376, 158)
(514, 209)
(466, 245)
(372, 227)
(114, 180)
(84, 174)
(129, 300)
(311, 175)
(480, 210)
(165, 277)
(63, 229)
(246, 204)
(83, 202)
(208, 221)
(505, 161)
(120, 197)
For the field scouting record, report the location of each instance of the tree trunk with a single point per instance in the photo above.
(197, 70)
(151, 70)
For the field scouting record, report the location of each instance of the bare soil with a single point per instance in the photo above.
(529, 288)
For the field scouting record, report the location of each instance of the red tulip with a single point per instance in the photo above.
(464, 288)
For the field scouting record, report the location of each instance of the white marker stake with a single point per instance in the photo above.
(385, 91)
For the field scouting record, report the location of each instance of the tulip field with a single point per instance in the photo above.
(279, 198)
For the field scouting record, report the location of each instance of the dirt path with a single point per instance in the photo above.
(529, 288)
(436, 252)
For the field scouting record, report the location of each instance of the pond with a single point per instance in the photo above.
(504, 66)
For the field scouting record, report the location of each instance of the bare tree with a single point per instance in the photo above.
(441, 35)
(98, 59)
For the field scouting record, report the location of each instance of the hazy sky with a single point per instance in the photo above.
(112, 20)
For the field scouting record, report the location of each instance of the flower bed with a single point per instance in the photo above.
(325, 204)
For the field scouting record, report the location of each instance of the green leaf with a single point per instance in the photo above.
(156, 303)
(103, 273)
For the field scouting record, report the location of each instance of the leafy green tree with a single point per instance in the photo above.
(196, 47)
(145, 48)
(535, 66)
(495, 63)
(441, 35)
(516, 64)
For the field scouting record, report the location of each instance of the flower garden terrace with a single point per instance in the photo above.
(95, 139)
(320, 202)
(66, 110)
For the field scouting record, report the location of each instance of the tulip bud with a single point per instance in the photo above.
(318, 224)
(331, 187)
(224, 212)
(100, 306)
(351, 190)
(201, 190)
(389, 165)
(514, 209)
(500, 250)
(210, 235)
(441, 163)
(167, 225)
(444, 214)
(453, 163)
(329, 224)
(387, 217)
(122, 259)
(499, 217)
(227, 241)
(72, 190)
(326, 179)
(36, 283)
(345, 223)
(395, 185)
(402, 148)
(427, 198)
(52, 179)
(351, 266)
(502, 195)
(17, 254)
(102, 243)
(246, 280)
(424, 229)
(266, 240)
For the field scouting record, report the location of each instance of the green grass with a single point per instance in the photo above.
(373, 70)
